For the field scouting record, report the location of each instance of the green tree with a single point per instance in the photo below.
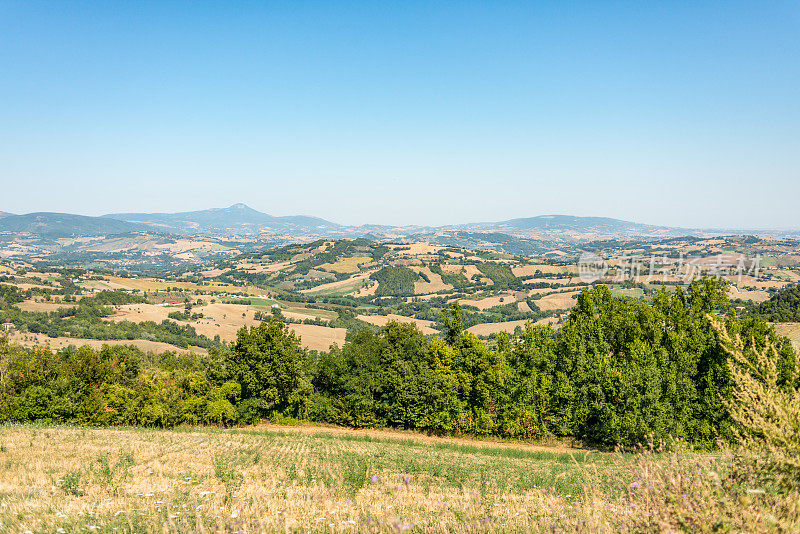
(269, 364)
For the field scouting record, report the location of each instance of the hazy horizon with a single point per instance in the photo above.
(674, 115)
(445, 224)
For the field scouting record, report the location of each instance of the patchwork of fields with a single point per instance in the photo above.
(326, 287)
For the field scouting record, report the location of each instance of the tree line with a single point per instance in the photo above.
(619, 371)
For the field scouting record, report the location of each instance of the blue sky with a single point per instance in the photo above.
(678, 113)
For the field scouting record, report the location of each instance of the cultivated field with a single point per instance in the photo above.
(426, 327)
(790, 330)
(29, 339)
(487, 329)
(225, 320)
(271, 479)
(558, 301)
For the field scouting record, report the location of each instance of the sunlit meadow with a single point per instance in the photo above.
(311, 479)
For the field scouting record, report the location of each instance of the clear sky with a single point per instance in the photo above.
(677, 113)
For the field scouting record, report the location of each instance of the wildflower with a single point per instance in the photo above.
(635, 485)
(375, 479)
(406, 480)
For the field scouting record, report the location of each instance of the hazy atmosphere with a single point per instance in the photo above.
(417, 113)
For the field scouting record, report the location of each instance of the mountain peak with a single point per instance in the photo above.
(240, 206)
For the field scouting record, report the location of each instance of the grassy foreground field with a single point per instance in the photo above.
(67, 479)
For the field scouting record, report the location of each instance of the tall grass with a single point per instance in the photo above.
(766, 406)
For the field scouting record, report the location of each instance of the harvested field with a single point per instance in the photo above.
(211, 273)
(225, 320)
(304, 313)
(557, 301)
(341, 287)
(25, 285)
(748, 282)
(280, 479)
(346, 265)
(468, 271)
(150, 284)
(489, 302)
(139, 313)
(426, 327)
(32, 340)
(33, 306)
(487, 329)
(530, 270)
(790, 330)
(422, 287)
(323, 479)
(415, 249)
(755, 296)
(264, 267)
(319, 338)
(366, 291)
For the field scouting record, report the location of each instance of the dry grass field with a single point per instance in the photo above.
(755, 296)
(790, 330)
(152, 284)
(225, 320)
(340, 287)
(346, 265)
(367, 290)
(268, 479)
(33, 306)
(31, 340)
(489, 302)
(530, 270)
(487, 329)
(382, 320)
(319, 337)
(422, 287)
(558, 301)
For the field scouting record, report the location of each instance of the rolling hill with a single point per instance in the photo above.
(56, 225)
(570, 224)
(236, 219)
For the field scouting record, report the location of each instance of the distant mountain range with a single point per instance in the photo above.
(58, 225)
(545, 223)
(236, 219)
(240, 219)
